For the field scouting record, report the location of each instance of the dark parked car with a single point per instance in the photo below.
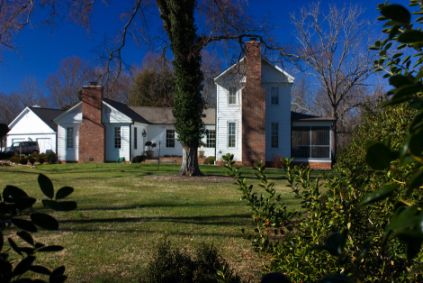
(26, 147)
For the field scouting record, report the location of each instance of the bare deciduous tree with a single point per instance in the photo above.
(66, 82)
(331, 45)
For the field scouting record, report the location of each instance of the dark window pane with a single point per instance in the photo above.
(320, 152)
(301, 151)
(300, 136)
(118, 139)
(320, 136)
(170, 138)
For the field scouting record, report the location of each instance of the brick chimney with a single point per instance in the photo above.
(91, 132)
(253, 108)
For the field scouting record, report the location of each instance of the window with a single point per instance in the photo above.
(69, 137)
(274, 98)
(311, 142)
(232, 96)
(170, 138)
(211, 138)
(135, 138)
(275, 135)
(231, 134)
(118, 137)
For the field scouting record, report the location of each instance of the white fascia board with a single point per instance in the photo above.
(23, 112)
(66, 112)
(111, 107)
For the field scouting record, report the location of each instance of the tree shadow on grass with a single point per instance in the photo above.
(222, 220)
(161, 205)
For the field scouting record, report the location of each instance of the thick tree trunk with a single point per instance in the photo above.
(189, 166)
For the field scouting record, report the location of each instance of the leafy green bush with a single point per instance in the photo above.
(15, 159)
(51, 157)
(209, 160)
(23, 160)
(42, 158)
(173, 266)
(139, 159)
(17, 211)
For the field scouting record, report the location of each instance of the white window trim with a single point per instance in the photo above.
(229, 95)
(277, 95)
(236, 135)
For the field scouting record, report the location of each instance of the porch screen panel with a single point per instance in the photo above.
(311, 142)
(320, 142)
(300, 142)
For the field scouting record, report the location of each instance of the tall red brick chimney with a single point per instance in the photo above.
(253, 108)
(91, 132)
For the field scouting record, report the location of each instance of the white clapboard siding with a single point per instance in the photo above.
(228, 113)
(113, 153)
(29, 127)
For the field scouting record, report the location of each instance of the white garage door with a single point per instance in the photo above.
(45, 144)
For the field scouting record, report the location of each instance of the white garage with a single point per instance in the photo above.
(35, 124)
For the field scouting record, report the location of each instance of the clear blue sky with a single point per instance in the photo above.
(41, 47)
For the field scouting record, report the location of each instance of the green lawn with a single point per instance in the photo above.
(125, 210)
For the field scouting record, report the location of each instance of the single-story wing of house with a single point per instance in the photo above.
(35, 124)
(98, 129)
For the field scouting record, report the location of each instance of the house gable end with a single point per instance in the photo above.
(72, 115)
(28, 122)
(112, 115)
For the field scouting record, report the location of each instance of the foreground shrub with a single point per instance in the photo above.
(42, 158)
(51, 157)
(209, 160)
(18, 261)
(139, 159)
(173, 265)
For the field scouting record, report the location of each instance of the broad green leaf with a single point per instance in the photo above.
(24, 265)
(26, 237)
(396, 13)
(58, 274)
(11, 193)
(411, 36)
(46, 186)
(336, 278)
(380, 194)
(379, 156)
(335, 243)
(45, 221)
(40, 269)
(14, 246)
(400, 80)
(415, 143)
(59, 205)
(406, 222)
(404, 93)
(416, 180)
(24, 224)
(64, 192)
(417, 123)
(53, 248)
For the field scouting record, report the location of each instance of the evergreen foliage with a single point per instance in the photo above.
(179, 23)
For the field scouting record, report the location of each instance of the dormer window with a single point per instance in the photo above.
(274, 98)
(232, 96)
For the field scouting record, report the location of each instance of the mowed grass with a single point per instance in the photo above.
(126, 210)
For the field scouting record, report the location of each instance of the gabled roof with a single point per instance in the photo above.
(289, 78)
(126, 110)
(296, 116)
(164, 115)
(47, 115)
